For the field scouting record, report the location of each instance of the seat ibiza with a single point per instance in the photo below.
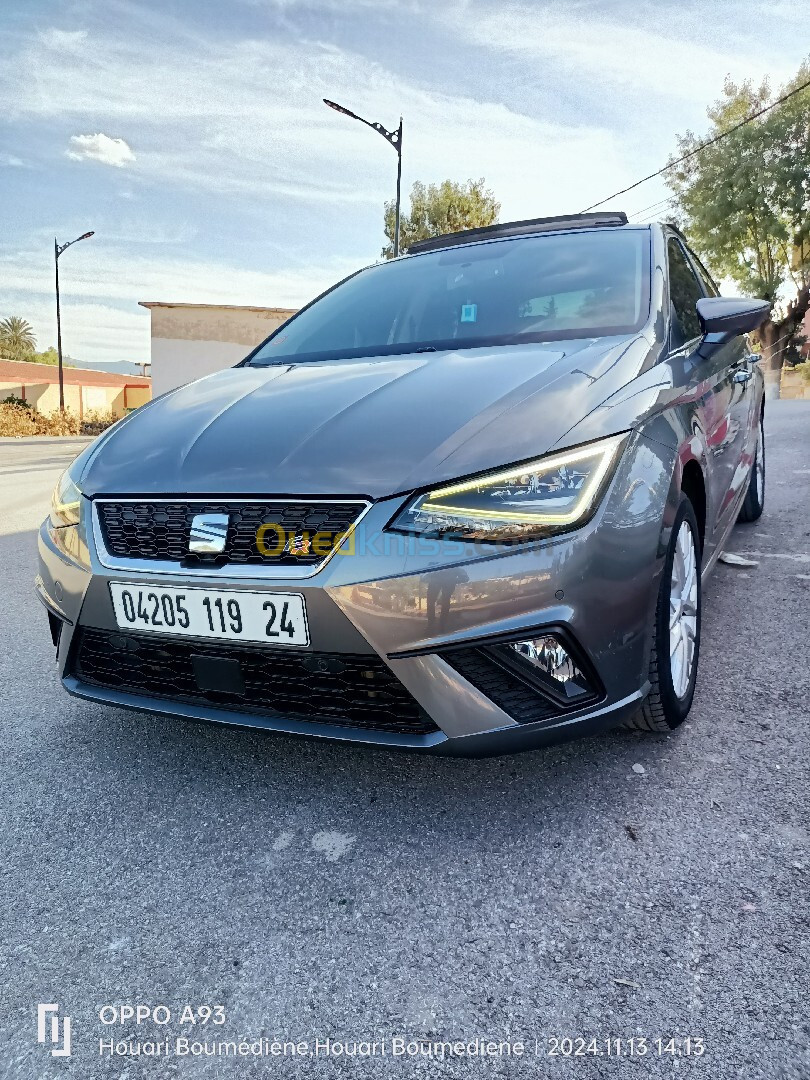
(463, 502)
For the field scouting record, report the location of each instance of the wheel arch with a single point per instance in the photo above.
(688, 478)
(693, 485)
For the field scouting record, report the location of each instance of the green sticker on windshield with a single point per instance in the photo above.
(469, 312)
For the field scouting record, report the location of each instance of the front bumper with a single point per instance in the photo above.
(412, 610)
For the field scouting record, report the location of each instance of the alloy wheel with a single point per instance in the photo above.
(683, 600)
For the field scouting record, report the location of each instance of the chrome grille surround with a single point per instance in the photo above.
(260, 568)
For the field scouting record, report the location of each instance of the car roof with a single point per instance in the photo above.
(560, 223)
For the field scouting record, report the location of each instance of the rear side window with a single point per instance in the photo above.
(684, 293)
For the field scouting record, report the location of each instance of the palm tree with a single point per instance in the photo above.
(17, 339)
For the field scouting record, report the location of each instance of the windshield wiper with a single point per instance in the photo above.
(426, 348)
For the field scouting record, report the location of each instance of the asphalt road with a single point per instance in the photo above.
(325, 891)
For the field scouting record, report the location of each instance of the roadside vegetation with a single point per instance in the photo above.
(744, 204)
(18, 419)
(437, 209)
(18, 342)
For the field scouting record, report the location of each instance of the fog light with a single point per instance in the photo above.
(547, 658)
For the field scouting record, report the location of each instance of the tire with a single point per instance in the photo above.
(754, 502)
(671, 687)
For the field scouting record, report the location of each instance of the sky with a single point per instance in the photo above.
(191, 136)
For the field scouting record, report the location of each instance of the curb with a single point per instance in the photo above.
(44, 440)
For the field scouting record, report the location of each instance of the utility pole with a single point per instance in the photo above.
(57, 251)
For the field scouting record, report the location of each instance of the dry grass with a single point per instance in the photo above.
(95, 421)
(19, 420)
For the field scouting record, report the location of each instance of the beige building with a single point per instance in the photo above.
(85, 391)
(192, 340)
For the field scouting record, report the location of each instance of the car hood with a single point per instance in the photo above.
(372, 427)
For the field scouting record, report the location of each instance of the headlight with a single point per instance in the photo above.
(65, 502)
(538, 498)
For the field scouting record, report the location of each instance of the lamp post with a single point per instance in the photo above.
(57, 251)
(394, 138)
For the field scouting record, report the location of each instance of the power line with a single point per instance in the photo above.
(697, 150)
(656, 208)
(790, 334)
(652, 206)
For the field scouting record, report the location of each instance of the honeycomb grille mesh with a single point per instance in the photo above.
(337, 688)
(160, 530)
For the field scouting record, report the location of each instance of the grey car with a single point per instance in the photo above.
(463, 502)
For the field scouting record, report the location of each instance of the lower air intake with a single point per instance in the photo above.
(343, 689)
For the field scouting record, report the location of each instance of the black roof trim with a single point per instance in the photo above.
(518, 228)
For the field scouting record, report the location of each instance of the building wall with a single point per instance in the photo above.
(44, 397)
(177, 361)
(10, 390)
(794, 385)
(100, 398)
(135, 396)
(190, 341)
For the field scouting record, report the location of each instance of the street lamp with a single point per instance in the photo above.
(395, 140)
(57, 251)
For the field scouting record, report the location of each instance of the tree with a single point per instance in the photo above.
(47, 356)
(437, 209)
(745, 204)
(17, 340)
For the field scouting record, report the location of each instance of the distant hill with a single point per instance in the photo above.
(48, 356)
(117, 367)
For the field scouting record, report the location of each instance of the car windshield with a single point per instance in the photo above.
(501, 292)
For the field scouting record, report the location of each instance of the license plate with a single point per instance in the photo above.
(271, 618)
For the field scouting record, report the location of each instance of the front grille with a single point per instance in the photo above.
(160, 530)
(335, 688)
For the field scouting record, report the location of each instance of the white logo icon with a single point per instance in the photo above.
(59, 1033)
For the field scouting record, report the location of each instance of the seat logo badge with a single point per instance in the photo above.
(208, 534)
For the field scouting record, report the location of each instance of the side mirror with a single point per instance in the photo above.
(731, 316)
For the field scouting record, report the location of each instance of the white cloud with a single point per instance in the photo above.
(119, 274)
(63, 40)
(12, 161)
(101, 148)
(676, 59)
(246, 120)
